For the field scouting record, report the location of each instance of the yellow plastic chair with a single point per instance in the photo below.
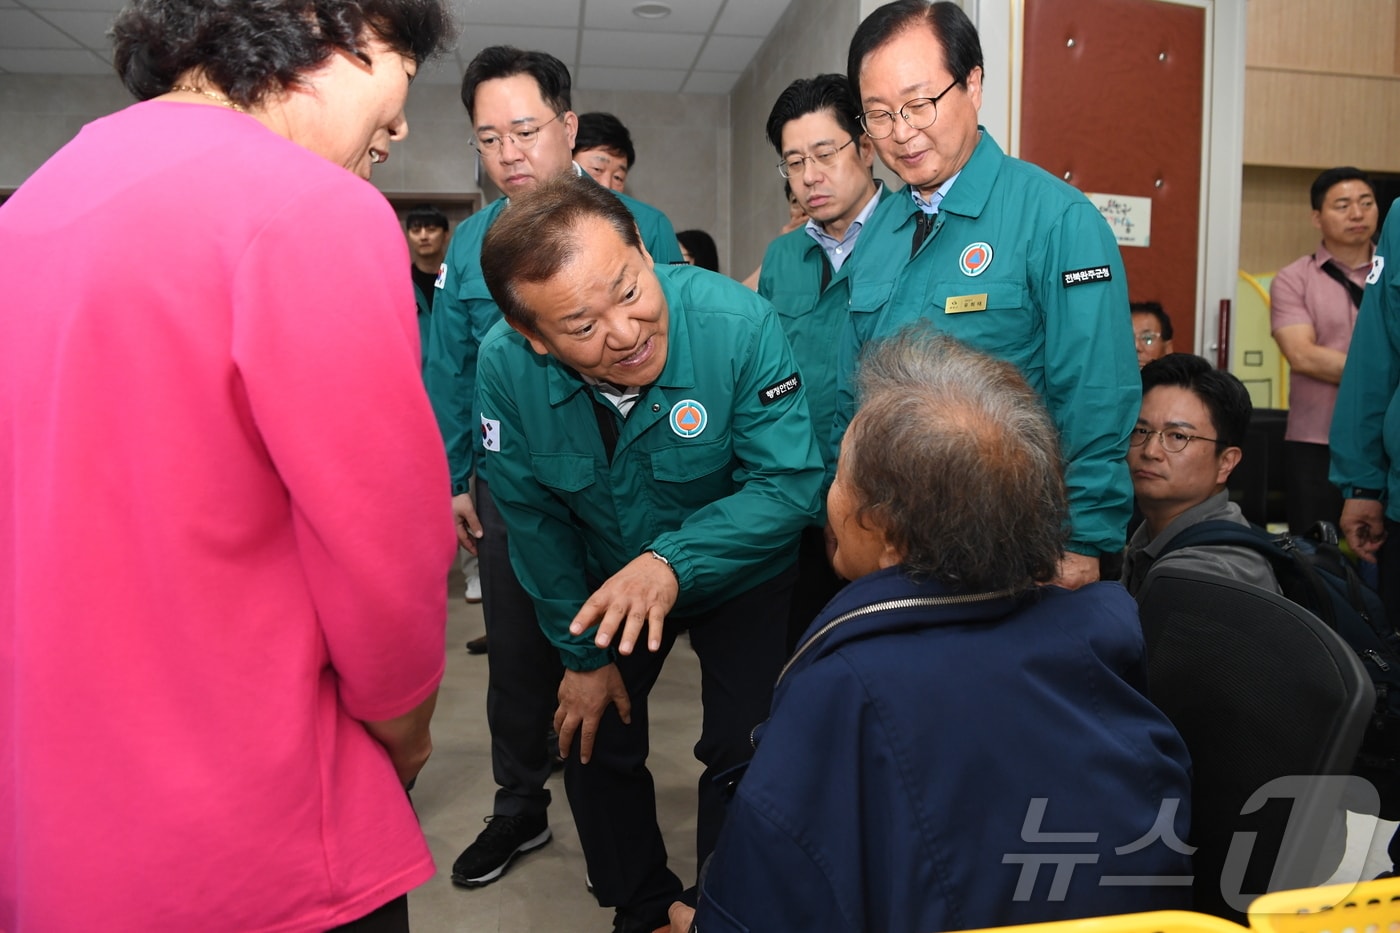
(1156, 921)
(1367, 907)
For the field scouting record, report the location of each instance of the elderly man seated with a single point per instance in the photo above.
(954, 744)
(1187, 442)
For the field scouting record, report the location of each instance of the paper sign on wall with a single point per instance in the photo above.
(1130, 218)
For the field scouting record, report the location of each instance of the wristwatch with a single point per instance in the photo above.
(667, 563)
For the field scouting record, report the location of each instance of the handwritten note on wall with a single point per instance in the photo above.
(1129, 218)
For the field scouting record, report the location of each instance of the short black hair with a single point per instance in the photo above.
(962, 49)
(597, 130)
(1154, 308)
(505, 61)
(701, 247)
(812, 95)
(1225, 397)
(425, 215)
(252, 48)
(537, 235)
(1335, 176)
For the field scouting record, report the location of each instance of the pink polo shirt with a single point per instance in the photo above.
(224, 538)
(1302, 293)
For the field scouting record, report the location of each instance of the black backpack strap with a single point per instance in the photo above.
(1299, 580)
(1220, 533)
(1353, 290)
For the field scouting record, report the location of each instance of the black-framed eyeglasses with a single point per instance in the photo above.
(825, 157)
(1173, 442)
(1148, 337)
(524, 136)
(920, 113)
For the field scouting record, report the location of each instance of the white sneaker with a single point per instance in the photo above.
(474, 589)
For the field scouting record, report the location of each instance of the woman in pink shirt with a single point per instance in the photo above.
(225, 531)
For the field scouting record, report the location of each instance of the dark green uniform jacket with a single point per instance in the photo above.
(464, 311)
(1022, 266)
(1365, 438)
(813, 318)
(716, 468)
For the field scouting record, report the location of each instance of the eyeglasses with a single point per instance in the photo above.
(1148, 337)
(524, 137)
(826, 158)
(919, 113)
(1173, 442)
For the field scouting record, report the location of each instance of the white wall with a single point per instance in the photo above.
(810, 39)
(682, 141)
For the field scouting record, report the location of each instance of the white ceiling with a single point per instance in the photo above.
(701, 47)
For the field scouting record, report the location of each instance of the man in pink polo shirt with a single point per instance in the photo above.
(1314, 303)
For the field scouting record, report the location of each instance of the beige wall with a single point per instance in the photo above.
(1275, 218)
(1322, 88)
(811, 38)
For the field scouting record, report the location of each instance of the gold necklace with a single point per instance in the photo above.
(189, 89)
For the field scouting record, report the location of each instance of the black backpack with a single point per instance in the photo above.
(1313, 572)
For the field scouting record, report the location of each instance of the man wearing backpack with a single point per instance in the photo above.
(1180, 454)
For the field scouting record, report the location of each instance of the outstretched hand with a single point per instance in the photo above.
(639, 595)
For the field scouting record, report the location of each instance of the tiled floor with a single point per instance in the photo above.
(545, 889)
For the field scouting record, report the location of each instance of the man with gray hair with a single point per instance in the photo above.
(948, 706)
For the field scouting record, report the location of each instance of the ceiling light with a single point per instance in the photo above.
(651, 10)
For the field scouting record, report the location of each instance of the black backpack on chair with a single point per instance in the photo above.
(1313, 572)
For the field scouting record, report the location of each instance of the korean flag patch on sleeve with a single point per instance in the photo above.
(490, 434)
(1377, 267)
(441, 279)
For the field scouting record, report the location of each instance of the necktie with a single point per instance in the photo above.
(922, 225)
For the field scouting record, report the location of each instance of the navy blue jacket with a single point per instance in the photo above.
(918, 762)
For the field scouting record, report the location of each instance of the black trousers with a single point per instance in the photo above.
(1311, 497)
(816, 583)
(741, 649)
(523, 671)
(391, 918)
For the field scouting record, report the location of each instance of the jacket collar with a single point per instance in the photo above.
(969, 195)
(889, 584)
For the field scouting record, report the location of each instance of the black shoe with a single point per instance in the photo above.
(502, 840)
(477, 645)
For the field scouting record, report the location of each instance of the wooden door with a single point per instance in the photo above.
(1112, 100)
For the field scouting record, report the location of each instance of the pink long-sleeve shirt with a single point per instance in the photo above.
(224, 534)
